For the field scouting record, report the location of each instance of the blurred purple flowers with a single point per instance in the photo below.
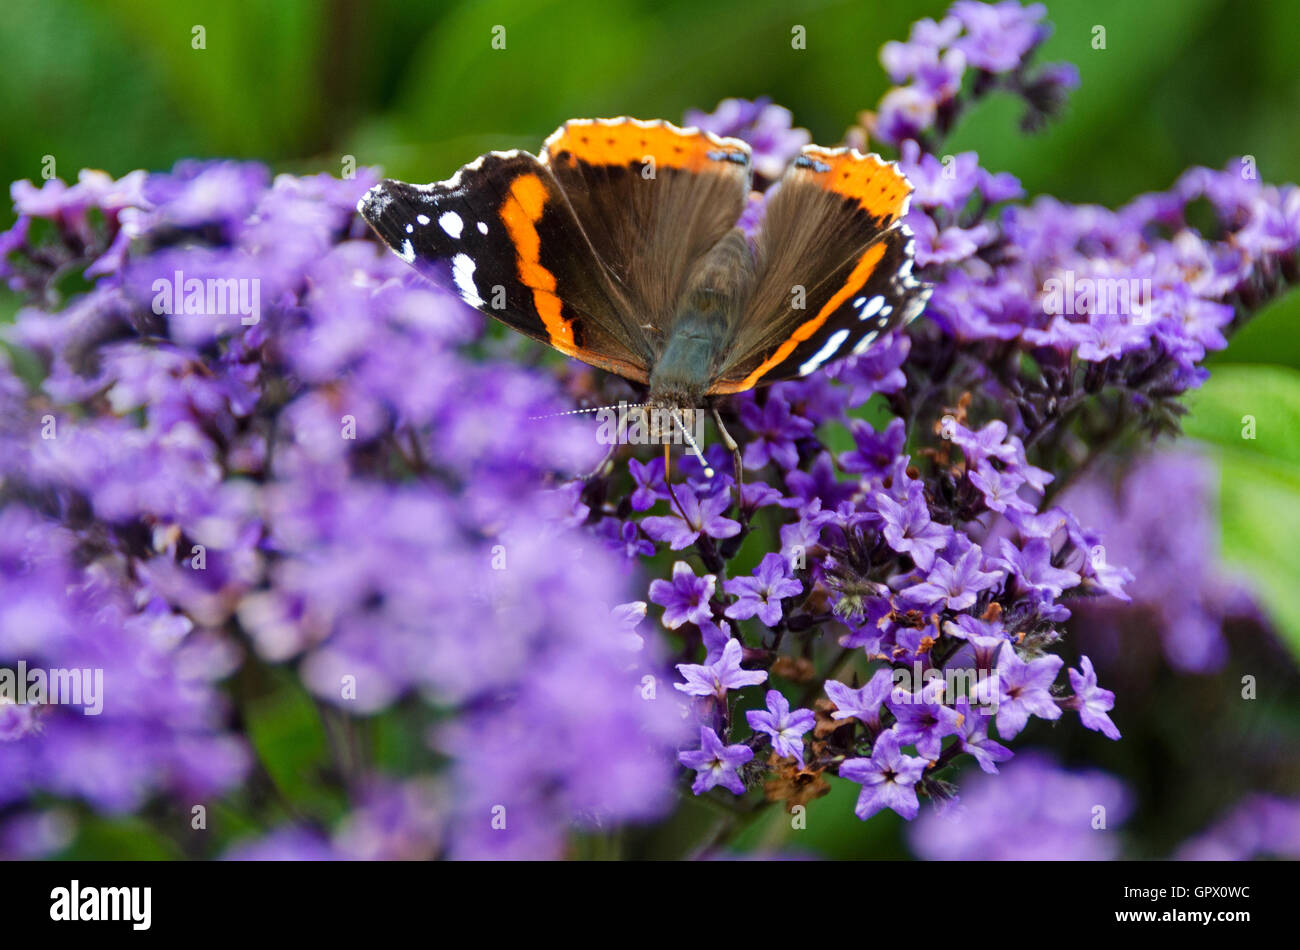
(191, 498)
(1033, 811)
(333, 487)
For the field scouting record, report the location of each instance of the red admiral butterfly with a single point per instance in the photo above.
(619, 245)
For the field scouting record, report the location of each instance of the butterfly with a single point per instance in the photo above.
(621, 245)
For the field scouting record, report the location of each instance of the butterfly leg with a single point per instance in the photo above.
(604, 466)
(730, 443)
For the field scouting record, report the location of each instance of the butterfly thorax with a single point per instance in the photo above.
(702, 329)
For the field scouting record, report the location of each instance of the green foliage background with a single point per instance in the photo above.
(417, 88)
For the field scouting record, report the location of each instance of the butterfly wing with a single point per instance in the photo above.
(652, 199)
(502, 235)
(835, 269)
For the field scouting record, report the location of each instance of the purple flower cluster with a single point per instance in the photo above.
(1034, 811)
(1161, 526)
(768, 128)
(941, 542)
(1259, 826)
(188, 492)
(978, 46)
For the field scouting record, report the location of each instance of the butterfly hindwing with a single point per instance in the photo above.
(502, 235)
(834, 262)
(652, 199)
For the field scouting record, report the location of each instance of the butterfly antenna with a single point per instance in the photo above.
(695, 449)
(578, 412)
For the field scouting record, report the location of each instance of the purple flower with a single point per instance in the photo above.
(650, 486)
(973, 736)
(922, 718)
(1033, 570)
(761, 594)
(947, 184)
(766, 127)
(954, 585)
(785, 727)
(625, 538)
(799, 536)
(1091, 701)
(716, 764)
(1000, 488)
(1021, 689)
(998, 35)
(909, 530)
(988, 442)
(904, 113)
(685, 598)
(714, 679)
(888, 778)
(876, 451)
(698, 516)
(775, 431)
(864, 703)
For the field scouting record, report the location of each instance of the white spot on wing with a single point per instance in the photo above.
(407, 253)
(829, 349)
(462, 273)
(482, 227)
(422, 218)
(450, 222)
(865, 342)
(870, 307)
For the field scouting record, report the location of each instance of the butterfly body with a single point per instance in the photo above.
(704, 326)
(619, 245)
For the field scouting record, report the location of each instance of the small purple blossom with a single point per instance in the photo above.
(775, 431)
(761, 594)
(888, 778)
(1091, 701)
(715, 679)
(864, 703)
(955, 585)
(716, 764)
(909, 530)
(922, 718)
(698, 516)
(784, 726)
(973, 735)
(1022, 688)
(685, 598)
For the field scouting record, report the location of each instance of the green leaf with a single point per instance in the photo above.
(1250, 416)
(286, 730)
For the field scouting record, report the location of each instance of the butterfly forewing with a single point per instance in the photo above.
(502, 235)
(652, 199)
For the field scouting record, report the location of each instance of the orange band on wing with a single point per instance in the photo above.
(861, 271)
(521, 211)
(627, 141)
(876, 186)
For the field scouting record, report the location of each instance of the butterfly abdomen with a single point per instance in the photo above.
(704, 324)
